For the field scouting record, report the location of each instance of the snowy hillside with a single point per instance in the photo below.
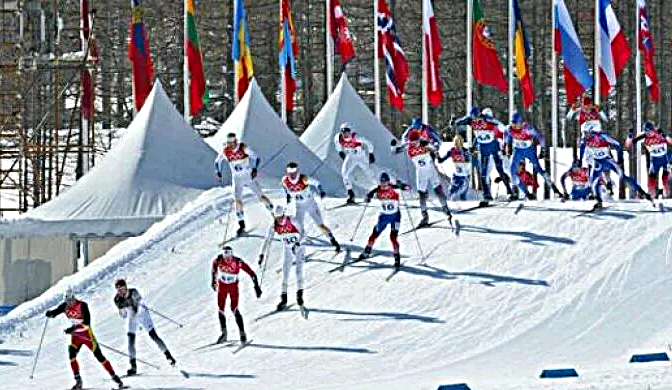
(519, 290)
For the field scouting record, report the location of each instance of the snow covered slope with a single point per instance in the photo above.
(518, 291)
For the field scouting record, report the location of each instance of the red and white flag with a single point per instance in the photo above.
(432, 52)
(646, 47)
(614, 48)
(339, 32)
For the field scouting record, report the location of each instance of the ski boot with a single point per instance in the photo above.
(449, 216)
(283, 302)
(397, 260)
(171, 359)
(222, 337)
(118, 381)
(351, 197)
(243, 337)
(133, 370)
(610, 188)
(299, 297)
(332, 239)
(424, 222)
(366, 254)
(78, 383)
(241, 228)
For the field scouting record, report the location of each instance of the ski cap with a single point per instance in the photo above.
(69, 294)
(345, 127)
(231, 138)
(384, 177)
(516, 119)
(120, 283)
(292, 167)
(416, 123)
(474, 112)
(487, 112)
(227, 250)
(649, 126)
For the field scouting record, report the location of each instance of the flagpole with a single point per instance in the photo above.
(511, 35)
(554, 96)
(470, 22)
(376, 60)
(425, 92)
(187, 103)
(597, 54)
(330, 50)
(283, 82)
(638, 83)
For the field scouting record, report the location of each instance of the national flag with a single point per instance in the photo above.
(521, 49)
(89, 49)
(198, 91)
(646, 47)
(577, 75)
(289, 51)
(432, 52)
(138, 54)
(242, 56)
(487, 68)
(389, 48)
(614, 48)
(340, 33)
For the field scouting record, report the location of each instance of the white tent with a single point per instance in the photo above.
(156, 168)
(345, 105)
(258, 126)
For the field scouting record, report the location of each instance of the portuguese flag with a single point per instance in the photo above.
(198, 91)
(487, 68)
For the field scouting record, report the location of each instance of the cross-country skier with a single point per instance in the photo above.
(129, 303)
(459, 184)
(587, 115)
(597, 146)
(81, 334)
(355, 151)
(523, 139)
(225, 270)
(527, 180)
(244, 164)
(657, 145)
(485, 133)
(580, 177)
(390, 214)
(422, 153)
(489, 116)
(292, 250)
(301, 190)
(425, 130)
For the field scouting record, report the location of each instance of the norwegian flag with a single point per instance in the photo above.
(389, 48)
(646, 47)
(340, 33)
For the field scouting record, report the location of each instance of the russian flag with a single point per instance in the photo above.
(577, 75)
(614, 48)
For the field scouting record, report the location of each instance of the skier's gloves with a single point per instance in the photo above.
(69, 330)
(253, 174)
(498, 179)
(323, 194)
(219, 174)
(565, 196)
(261, 259)
(257, 290)
(119, 301)
(367, 199)
(372, 158)
(214, 286)
(50, 314)
(342, 155)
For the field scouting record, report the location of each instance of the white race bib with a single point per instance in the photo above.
(389, 206)
(484, 136)
(591, 126)
(658, 150)
(522, 144)
(462, 169)
(290, 239)
(599, 153)
(227, 278)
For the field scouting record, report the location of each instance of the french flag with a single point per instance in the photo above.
(614, 48)
(432, 53)
(577, 75)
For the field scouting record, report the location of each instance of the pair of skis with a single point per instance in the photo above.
(303, 310)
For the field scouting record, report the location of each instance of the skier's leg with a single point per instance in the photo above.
(485, 165)
(238, 196)
(286, 266)
(131, 328)
(502, 173)
(595, 177)
(516, 159)
(221, 301)
(666, 183)
(299, 215)
(463, 188)
(423, 208)
(254, 186)
(162, 346)
(316, 215)
(347, 169)
(93, 345)
(299, 258)
(631, 182)
(74, 365)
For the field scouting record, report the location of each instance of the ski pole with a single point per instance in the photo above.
(410, 219)
(117, 351)
(163, 316)
(263, 267)
(39, 347)
(366, 205)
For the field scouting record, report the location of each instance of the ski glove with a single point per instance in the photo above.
(219, 174)
(69, 330)
(322, 194)
(257, 290)
(119, 301)
(342, 155)
(50, 314)
(372, 158)
(214, 286)
(367, 199)
(261, 259)
(253, 174)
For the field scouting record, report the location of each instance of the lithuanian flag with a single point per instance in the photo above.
(198, 91)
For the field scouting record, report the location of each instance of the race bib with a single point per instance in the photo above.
(485, 137)
(591, 126)
(239, 168)
(600, 153)
(389, 206)
(462, 169)
(422, 162)
(303, 196)
(290, 239)
(658, 150)
(227, 278)
(522, 144)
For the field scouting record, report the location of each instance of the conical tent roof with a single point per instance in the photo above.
(345, 105)
(156, 168)
(258, 126)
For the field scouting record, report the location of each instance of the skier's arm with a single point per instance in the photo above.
(371, 193)
(441, 159)
(86, 315)
(464, 121)
(562, 180)
(603, 116)
(213, 274)
(218, 164)
(571, 114)
(58, 310)
(337, 144)
(135, 300)
(248, 270)
(119, 302)
(582, 148)
(317, 187)
(254, 158)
